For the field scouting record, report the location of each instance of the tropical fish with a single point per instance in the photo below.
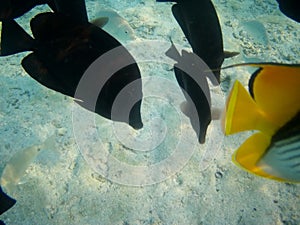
(62, 50)
(15, 169)
(290, 8)
(6, 202)
(18, 163)
(195, 89)
(115, 25)
(11, 9)
(74, 8)
(200, 24)
(272, 107)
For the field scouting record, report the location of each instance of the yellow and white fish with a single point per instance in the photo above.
(273, 108)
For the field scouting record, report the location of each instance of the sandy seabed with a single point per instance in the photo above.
(61, 187)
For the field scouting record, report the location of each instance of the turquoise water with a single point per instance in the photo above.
(69, 183)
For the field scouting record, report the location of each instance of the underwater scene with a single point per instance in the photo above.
(144, 112)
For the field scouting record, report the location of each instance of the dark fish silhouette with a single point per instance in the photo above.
(6, 202)
(73, 8)
(11, 9)
(193, 80)
(199, 22)
(290, 8)
(63, 48)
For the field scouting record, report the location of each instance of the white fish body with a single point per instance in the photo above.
(116, 26)
(18, 164)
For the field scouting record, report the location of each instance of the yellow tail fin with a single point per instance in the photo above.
(242, 113)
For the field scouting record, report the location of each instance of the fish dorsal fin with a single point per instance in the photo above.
(13, 38)
(276, 87)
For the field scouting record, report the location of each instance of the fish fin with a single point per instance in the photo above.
(48, 26)
(14, 38)
(100, 22)
(283, 156)
(173, 53)
(281, 93)
(6, 202)
(23, 180)
(35, 68)
(250, 152)
(52, 5)
(216, 113)
(282, 160)
(184, 107)
(228, 54)
(74, 8)
(242, 113)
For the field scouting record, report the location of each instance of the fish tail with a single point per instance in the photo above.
(14, 38)
(242, 113)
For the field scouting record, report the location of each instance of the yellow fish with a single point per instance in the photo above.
(273, 108)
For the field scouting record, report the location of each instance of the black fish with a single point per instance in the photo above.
(63, 48)
(73, 8)
(290, 8)
(6, 202)
(200, 24)
(11, 9)
(192, 79)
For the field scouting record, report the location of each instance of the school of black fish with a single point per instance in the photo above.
(61, 37)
